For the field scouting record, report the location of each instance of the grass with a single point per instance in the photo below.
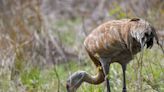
(45, 80)
(149, 77)
(66, 31)
(24, 42)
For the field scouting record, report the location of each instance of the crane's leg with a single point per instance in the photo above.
(124, 78)
(105, 65)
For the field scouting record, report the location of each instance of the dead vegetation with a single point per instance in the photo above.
(43, 33)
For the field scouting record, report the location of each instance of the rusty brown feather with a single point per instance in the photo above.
(113, 41)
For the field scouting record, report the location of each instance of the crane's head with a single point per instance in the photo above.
(143, 32)
(74, 81)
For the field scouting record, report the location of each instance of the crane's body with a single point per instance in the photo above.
(113, 41)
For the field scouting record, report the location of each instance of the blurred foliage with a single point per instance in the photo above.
(31, 78)
(41, 44)
(118, 12)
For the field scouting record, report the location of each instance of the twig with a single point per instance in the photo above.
(57, 75)
(84, 28)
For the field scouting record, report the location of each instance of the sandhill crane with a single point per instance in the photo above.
(113, 41)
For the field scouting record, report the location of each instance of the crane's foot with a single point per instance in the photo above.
(108, 85)
(124, 90)
(108, 91)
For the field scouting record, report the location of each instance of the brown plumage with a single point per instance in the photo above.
(113, 41)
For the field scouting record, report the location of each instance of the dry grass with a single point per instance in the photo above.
(38, 35)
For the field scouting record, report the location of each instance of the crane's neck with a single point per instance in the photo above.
(76, 79)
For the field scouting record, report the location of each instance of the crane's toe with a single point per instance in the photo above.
(124, 90)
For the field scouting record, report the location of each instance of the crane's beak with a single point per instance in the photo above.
(70, 88)
(67, 87)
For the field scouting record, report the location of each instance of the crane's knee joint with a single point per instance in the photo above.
(99, 68)
(106, 76)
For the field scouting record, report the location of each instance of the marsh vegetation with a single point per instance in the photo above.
(41, 44)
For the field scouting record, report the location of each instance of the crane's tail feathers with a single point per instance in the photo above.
(161, 47)
(156, 38)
